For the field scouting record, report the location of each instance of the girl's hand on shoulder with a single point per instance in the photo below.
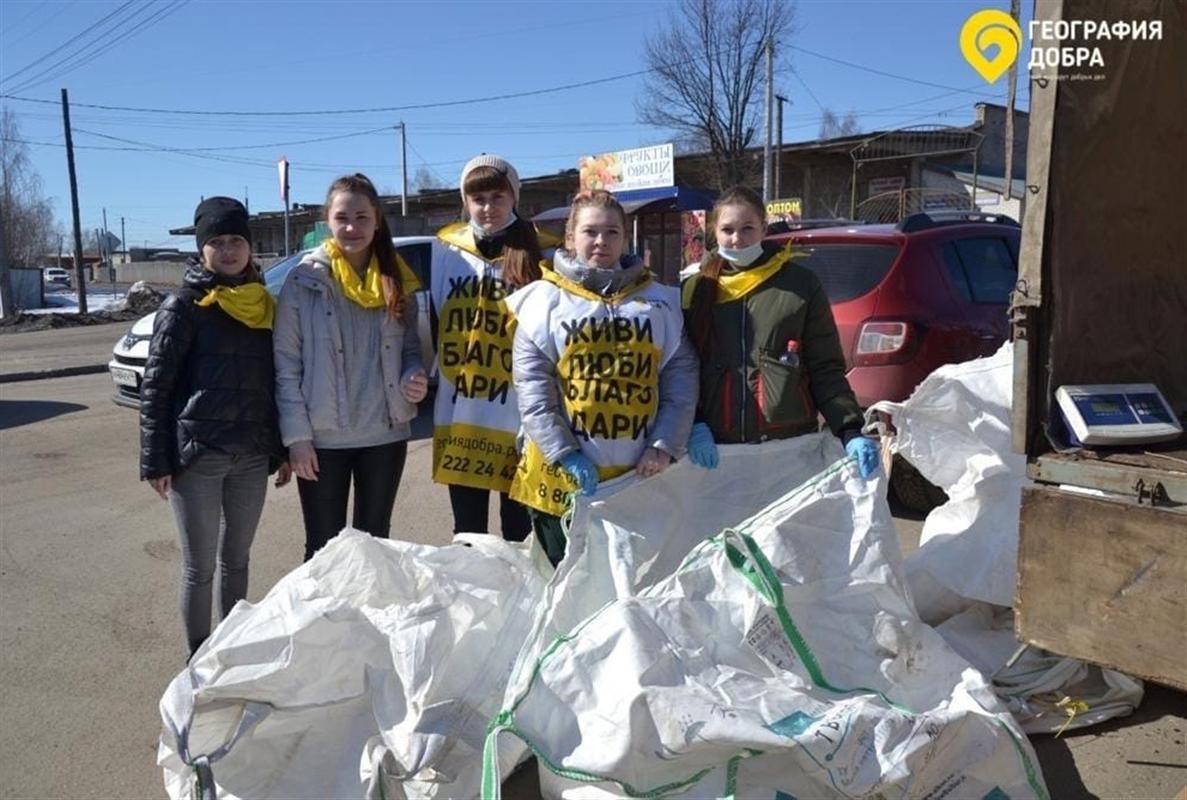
(652, 462)
(415, 386)
(283, 475)
(303, 460)
(162, 486)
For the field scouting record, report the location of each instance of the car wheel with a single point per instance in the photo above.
(912, 489)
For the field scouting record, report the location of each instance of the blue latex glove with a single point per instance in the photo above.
(865, 452)
(582, 470)
(701, 447)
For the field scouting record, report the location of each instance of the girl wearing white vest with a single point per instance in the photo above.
(348, 367)
(606, 379)
(476, 265)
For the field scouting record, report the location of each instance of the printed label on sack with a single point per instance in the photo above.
(766, 638)
(470, 455)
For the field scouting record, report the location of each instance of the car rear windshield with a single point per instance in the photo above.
(847, 270)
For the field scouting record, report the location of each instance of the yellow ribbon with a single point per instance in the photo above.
(367, 291)
(250, 303)
(736, 284)
(1072, 708)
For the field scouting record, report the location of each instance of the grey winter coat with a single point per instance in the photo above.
(307, 343)
(538, 386)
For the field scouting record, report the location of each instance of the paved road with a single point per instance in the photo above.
(58, 348)
(89, 633)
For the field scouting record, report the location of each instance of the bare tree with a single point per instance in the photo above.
(425, 179)
(706, 75)
(832, 125)
(26, 217)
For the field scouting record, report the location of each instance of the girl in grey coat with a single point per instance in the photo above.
(348, 368)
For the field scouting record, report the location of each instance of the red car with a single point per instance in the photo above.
(932, 290)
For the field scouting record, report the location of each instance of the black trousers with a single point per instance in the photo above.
(551, 535)
(470, 513)
(375, 472)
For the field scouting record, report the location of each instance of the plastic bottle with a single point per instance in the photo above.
(791, 356)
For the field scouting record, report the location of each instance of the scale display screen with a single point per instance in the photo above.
(1117, 414)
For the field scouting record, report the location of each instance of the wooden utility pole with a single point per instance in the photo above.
(403, 170)
(766, 150)
(780, 99)
(7, 300)
(78, 270)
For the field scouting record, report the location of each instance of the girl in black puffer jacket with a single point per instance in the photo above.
(208, 426)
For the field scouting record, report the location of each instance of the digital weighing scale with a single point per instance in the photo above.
(1117, 414)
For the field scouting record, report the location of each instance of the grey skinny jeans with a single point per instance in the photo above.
(217, 501)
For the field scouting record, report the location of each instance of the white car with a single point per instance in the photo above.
(56, 276)
(131, 352)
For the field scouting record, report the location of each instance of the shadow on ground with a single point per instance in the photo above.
(15, 413)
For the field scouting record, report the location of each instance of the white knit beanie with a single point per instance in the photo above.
(499, 164)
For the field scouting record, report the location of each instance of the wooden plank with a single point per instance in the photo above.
(1104, 581)
(1118, 478)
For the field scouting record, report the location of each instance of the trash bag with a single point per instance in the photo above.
(955, 429)
(1045, 692)
(370, 671)
(780, 657)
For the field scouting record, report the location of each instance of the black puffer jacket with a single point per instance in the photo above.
(208, 384)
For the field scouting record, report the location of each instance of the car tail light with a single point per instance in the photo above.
(884, 343)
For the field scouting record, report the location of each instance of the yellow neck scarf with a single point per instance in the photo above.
(250, 303)
(368, 291)
(734, 285)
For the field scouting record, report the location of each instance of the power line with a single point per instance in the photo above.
(81, 58)
(875, 71)
(270, 146)
(386, 109)
(85, 31)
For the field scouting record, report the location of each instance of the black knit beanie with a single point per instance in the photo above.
(220, 216)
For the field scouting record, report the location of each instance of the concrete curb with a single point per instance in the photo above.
(60, 372)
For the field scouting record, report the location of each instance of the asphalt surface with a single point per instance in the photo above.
(43, 354)
(90, 634)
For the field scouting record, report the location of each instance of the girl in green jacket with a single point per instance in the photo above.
(771, 359)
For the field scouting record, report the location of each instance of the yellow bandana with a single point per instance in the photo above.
(250, 303)
(734, 285)
(368, 291)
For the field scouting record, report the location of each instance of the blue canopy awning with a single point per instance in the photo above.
(664, 198)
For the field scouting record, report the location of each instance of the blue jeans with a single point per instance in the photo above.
(217, 501)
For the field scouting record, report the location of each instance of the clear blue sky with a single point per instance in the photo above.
(259, 55)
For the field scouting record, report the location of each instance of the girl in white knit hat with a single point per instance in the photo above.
(476, 265)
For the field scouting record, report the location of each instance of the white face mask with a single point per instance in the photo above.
(741, 258)
(482, 233)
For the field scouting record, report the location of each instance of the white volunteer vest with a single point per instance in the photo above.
(609, 354)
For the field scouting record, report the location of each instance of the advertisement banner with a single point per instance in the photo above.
(883, 185)
(787, 209)
(624, 170)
